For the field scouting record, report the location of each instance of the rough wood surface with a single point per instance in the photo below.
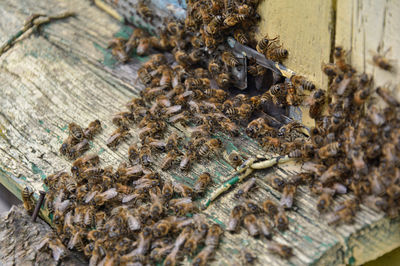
(368, 27)
(65, 74)
(20, 239)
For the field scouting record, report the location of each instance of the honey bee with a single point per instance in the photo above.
(329, 150)
(213, 236)
(183, 190)
(75, 131)
(162, 227)
(265, 227)
(27, 199)
(209, 147)
(117, 136)
(282, 250)
(223, 80)
(186, 161)
(169, 159)
(214, 67)
(340, 59)
(303, 82)
(202, 182)
(382, 62)
(250, 223)
(343, 212)
(78, 149)
(133, 153)
(281, 220)
(287, 196)
(387, 97)
(182, 58)
(123, 119)
(229, 59)
(240, 36)
(67, 144)
(324, 201)
(230, 128)
(245, 188)
(118, 49)
(181, 206)
(277, 54)
(248, 257)
(235, 218)
(330, 70)
(317, 103)
(93, 128)
(235, 159)
(144, 11)
(265, 43)
(192, 243)
(145, 78)
(203, 256)
(214, 24)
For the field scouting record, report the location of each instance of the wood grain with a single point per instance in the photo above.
(65, 74)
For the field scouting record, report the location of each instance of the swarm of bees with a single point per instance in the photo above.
(129, 215)
(77, 142)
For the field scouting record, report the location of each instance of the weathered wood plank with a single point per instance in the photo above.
(59, 76)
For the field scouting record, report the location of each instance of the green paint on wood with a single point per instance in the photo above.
(64, 128)
(102, 150)
(41, 122)
(23, 178)
(352, 260)
(37, 170)
(109, 60)
(309, 239)
(124, 32)
(47, 130)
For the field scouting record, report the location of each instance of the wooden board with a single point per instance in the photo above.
(368, 27)
(65, 74)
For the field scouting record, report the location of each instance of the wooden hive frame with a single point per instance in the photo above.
(65, 74)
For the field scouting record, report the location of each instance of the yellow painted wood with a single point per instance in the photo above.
(305, 29)
(65, 74)
(367, 27)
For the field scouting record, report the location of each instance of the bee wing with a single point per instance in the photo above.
(109, 194)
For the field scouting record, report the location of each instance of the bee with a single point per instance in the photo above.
(277, 54)
(248, 257)
(192, 243)
(116, 137)
(230, 128)
(240, 36)
(324, 201)
(196, 55)
(265, 227)
(67, 144)
(145, 78)
(281, 220)
(144, 11)
(387, 97)
(78, 149)
(282, 250)
(229, 59)
(344, 212)
(133, 153)
(245, 188)
(214, 67)
(382, 62)
(235, 218)
(75, 131)
(213, 236)
(169, 159)
(156, 208)
(209, 147)
(317, 103)
(181, 206)
(183, 190)
(330, 70)
(214, 24)
(118, 50)
(203, 256)
(250, 223)
(287, 196)
(202, 182)
(329, 150)
(265, 43)
(172, 142)
(223, 80)
(182, 58)
(123, 119)
(186, 161)
(303, 82)
(235, 159)
(93, 128)
(27, 199)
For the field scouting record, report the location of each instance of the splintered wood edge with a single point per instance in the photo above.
(64, 51)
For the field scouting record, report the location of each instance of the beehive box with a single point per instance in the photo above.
(66, 74)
